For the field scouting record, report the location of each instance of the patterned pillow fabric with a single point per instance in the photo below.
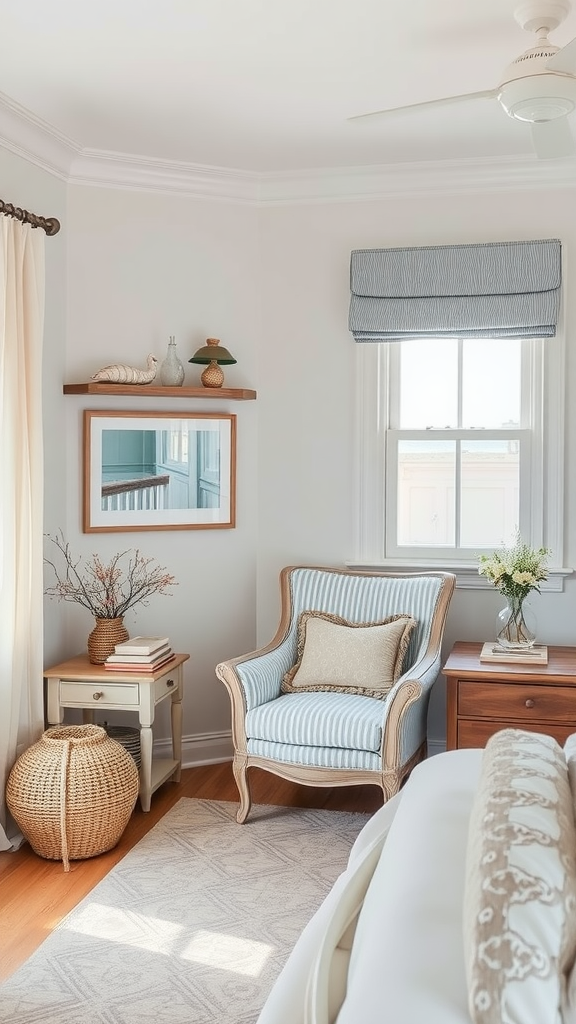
(520, 888)
(355, 657)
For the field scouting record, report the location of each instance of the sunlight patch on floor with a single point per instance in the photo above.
(228, 952)
(212, 949)
(126, 927)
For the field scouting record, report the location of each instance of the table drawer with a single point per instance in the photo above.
(520, 701)
(166, 684)
(86, 694)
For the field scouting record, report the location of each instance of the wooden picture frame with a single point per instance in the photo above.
(158, 471)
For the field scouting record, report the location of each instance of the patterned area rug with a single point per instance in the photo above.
(192, 926)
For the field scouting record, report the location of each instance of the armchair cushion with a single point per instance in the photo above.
(331, 720)
(355, 657)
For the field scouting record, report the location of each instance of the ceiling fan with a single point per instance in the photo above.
(539, 87)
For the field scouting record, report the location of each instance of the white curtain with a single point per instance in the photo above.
(21, 499)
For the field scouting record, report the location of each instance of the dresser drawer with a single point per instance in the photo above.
(86, 694)
(520, 702)
(477, 733)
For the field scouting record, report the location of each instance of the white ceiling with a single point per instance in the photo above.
(266, 85)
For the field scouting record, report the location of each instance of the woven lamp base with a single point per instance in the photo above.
(213, 375)
(72, 793)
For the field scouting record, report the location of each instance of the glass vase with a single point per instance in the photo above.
(172, 370)
(516, 625)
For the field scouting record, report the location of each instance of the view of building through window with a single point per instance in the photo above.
(455, 442)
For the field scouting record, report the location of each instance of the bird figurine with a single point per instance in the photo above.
(119, 373)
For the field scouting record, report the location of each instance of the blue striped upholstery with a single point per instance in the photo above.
(490, 290)
(320, 720)
(356, 598)
(315, 757)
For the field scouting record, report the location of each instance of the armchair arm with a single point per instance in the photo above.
(251, 680)
(258, 675)
(406, 721)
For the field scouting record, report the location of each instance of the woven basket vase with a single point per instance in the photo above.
(72, 792)
(103, 639)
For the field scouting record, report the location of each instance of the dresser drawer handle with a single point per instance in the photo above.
(169, 682)
(530, 703)
(97, 695)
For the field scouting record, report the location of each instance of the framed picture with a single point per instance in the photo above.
(158, 471)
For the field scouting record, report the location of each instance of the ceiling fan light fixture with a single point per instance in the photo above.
(538, 98)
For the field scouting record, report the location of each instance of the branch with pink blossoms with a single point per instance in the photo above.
(106, 590)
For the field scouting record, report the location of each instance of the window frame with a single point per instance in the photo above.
(542, 519)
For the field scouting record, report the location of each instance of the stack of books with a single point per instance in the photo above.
(140, 654)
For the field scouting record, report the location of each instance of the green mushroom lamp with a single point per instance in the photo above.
(215, 356)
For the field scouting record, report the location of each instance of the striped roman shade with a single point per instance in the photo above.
(492, 290)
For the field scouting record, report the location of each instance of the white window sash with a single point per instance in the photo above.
(394, 437)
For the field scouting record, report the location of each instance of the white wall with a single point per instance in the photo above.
(140, 268)
(306, 384)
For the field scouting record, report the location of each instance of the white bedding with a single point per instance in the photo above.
(402, 893)
(407, 962)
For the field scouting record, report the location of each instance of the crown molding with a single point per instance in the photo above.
(320, 185)
(107, 169)
(442, 177)
(40, 143)
(33, 139)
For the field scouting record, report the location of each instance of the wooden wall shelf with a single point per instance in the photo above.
(156, 391)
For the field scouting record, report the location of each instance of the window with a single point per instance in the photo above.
(459, 444)
(458, 434)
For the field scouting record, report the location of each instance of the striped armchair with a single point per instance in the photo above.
(338, 738)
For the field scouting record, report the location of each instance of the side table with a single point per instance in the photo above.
(79, 684)
(484, 697)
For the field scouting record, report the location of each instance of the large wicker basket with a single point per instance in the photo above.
(72, 792)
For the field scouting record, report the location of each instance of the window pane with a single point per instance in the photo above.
(490, 489)
(491, 383)
(426, 487)
(428, 384)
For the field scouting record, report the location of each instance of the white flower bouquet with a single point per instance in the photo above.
(517, 570)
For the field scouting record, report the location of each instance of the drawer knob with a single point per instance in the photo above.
(530, 703)
(97, 695)
(169, 682)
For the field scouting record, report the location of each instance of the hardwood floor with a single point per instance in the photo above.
(35, 894)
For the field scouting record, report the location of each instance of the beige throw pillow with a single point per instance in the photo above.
(520, 887)
(353, 657)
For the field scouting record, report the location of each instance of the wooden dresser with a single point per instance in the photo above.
(483, 697)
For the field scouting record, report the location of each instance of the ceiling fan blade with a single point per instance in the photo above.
(553, 139)
(444, 101)
(564, 62)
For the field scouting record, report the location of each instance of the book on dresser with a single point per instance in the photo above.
(536, 655)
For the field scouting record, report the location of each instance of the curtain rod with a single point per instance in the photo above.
(50, 224)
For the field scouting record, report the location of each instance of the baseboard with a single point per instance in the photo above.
(199, 749)
(436, 747)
